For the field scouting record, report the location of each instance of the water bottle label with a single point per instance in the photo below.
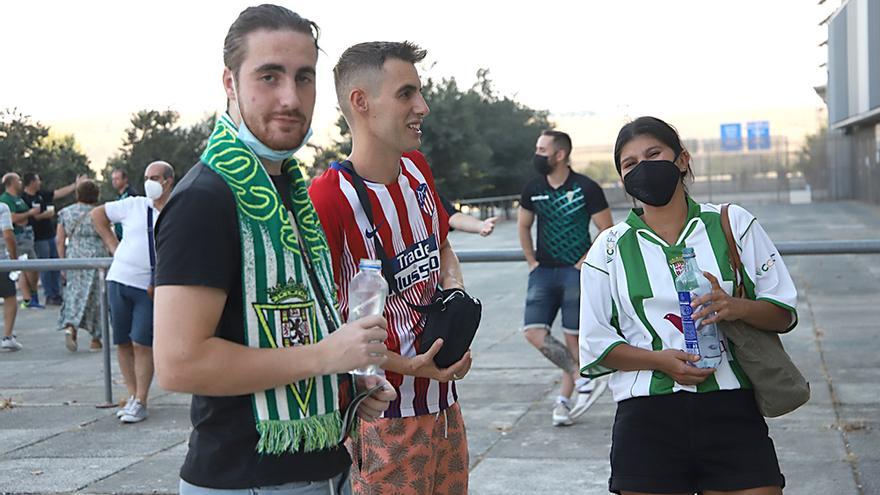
(688, 327)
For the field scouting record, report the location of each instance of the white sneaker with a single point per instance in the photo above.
(561, 414)
(588, 394)
(124, 409)
(10, 344)
(136, 413)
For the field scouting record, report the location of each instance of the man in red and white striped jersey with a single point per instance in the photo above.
(419, 446)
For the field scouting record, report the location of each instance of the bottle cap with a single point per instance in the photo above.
(368, 264)
(687, 252)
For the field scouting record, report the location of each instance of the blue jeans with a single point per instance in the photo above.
(338, 485)
(51, 281)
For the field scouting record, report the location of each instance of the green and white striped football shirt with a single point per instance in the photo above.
(628, 293)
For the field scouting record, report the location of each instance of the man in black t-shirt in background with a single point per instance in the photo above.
(200, 347)
(564, 203)
(44, 229)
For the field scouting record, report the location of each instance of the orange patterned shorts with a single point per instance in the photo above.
(419, 455)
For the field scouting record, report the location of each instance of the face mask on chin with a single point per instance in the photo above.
(653, 182)
(258, 147)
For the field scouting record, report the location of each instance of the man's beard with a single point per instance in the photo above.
(286, 142)
(278, 140)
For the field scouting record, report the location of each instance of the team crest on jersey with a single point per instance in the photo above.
(677, 265)
(289, 320)
(426, 202)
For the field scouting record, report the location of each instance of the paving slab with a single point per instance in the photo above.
(532, 476)
(158, 474)
(812, 477)
(54, 475)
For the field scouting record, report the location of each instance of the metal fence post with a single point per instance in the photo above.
(105, 335)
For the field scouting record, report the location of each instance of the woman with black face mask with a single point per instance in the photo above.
(679, 428)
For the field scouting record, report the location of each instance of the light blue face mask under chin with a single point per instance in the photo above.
(263, 151)
(258, 147)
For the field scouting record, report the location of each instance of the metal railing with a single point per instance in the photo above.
(487, 206)
(789, 248)
(98, 264)
(490, 199)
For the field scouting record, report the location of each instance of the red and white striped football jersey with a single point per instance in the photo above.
(412, 225)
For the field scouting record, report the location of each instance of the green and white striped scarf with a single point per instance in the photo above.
(280, 307)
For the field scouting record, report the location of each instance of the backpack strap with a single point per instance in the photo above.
(152, 245)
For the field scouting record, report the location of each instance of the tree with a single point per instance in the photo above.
(156, 135)
(61, 161)
(478, 143)
(29, 146)
(20, 139)
(509, 129)
(461, 159)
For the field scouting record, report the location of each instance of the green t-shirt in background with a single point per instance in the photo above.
(16, 205)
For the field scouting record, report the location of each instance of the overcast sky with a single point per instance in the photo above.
(84, 66)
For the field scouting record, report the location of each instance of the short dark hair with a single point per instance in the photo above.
(123, 173)
(269, 17)
(28, 178)
(561, 141)
(650, 126)
(87, 191)
(371, 55)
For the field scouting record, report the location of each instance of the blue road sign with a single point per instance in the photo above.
(758, 135)
(731, 137)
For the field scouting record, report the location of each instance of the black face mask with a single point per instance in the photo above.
(652, 182)
(542, 164)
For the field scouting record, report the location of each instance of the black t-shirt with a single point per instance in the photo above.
(448, 206)
(450, 209)
(43, 229)
(198, 243)
(563, 216)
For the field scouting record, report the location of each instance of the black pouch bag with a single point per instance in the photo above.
(453, 315)
(455, 319)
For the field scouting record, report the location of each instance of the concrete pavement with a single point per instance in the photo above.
(54, 440)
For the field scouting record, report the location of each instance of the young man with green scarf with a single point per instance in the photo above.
(245, 310)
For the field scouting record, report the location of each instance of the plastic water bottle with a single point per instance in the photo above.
(699, 339)
(366, 297)
(14, 275)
